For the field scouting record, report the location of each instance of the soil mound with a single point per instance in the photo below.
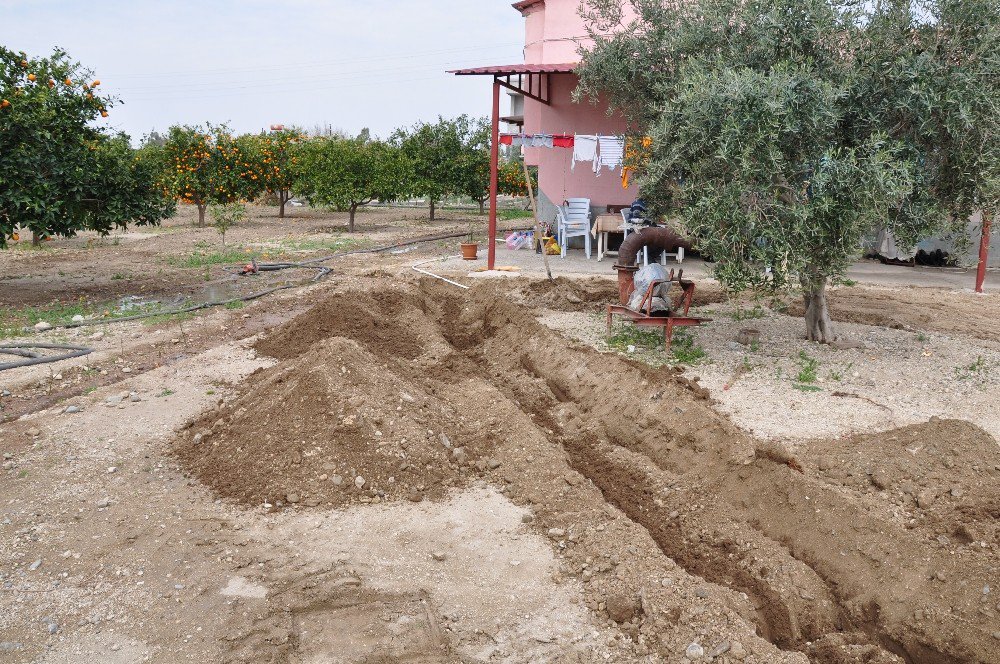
(928, 309)
(352, 316)
(431, 387)
(594, 293)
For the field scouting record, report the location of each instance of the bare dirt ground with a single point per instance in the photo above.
(385, 468)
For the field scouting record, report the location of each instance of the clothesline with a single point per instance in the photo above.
(603, 151)
(538, 140)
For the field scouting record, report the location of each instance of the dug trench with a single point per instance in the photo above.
(878, 548)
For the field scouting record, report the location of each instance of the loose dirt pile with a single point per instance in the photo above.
(592, 294)
(932, 310)
(877, 549)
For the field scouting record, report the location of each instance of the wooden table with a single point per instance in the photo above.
(604, 224)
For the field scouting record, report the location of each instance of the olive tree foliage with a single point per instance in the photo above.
(786, 131)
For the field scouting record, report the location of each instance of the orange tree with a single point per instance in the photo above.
(274, 161)
(58, 173)
(208, 165)
(347, 173)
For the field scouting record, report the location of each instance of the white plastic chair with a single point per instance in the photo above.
(644, 255)
(573, 220)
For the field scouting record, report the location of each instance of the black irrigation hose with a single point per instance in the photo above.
(33, 358)
(323, 271)
(37, 358)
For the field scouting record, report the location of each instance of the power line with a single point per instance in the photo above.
(315, 63)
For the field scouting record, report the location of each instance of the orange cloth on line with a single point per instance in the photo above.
(631, 153)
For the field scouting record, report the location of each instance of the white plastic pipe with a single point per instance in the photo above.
(438, 276)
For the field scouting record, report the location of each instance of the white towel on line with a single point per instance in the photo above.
(584, 149)
(612, 153)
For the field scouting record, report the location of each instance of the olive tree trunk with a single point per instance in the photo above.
(819, 327)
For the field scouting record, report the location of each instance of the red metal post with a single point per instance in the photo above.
(984, 250)
(491, 251)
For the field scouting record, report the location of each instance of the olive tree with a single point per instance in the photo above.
(779, 141)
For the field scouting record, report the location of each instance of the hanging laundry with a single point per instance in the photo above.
(584, 149)
(563, 141)
(506, 139)
(611, 153)
(541, 141)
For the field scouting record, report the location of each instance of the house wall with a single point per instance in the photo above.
(557, 180)
(555, 31)
(970, 256)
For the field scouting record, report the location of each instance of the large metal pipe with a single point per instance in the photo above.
(656, 238)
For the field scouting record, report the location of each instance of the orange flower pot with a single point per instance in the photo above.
(469, 251)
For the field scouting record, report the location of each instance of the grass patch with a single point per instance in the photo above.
(685, 349)
(808, 368)
(807, 388)
(637, 337)
(975, 371)
(748, 314)
(508, 214)
(167, 318)
(320, 244)
(13, 321)
(204, 258)
(236, 304)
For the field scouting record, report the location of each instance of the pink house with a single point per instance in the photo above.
(542, 86)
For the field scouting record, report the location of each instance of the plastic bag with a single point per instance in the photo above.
(643, 278)
(519, 240)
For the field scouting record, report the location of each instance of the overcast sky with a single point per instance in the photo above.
(371, 63)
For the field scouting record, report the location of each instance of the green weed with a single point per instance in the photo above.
(975, 371)
(748, 314)
(808, 368)
(630, 335)
(685, 349)
(508, 214)
(236, 304)
(807, 388)
(320, 244)
(202, 258)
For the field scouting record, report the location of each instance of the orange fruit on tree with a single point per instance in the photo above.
(15, 237)
(104, 114)
(68, 81)
(4, 104)
(24, 63)
(95, 84)
(52, 83)
(31, 77)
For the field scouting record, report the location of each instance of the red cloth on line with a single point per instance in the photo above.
(563, 141)
(506, 139)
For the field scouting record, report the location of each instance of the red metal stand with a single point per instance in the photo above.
(643, 316)
(984, 251)
(491, 250)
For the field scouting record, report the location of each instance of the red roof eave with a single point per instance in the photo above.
(502, 70)
(526, 4)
